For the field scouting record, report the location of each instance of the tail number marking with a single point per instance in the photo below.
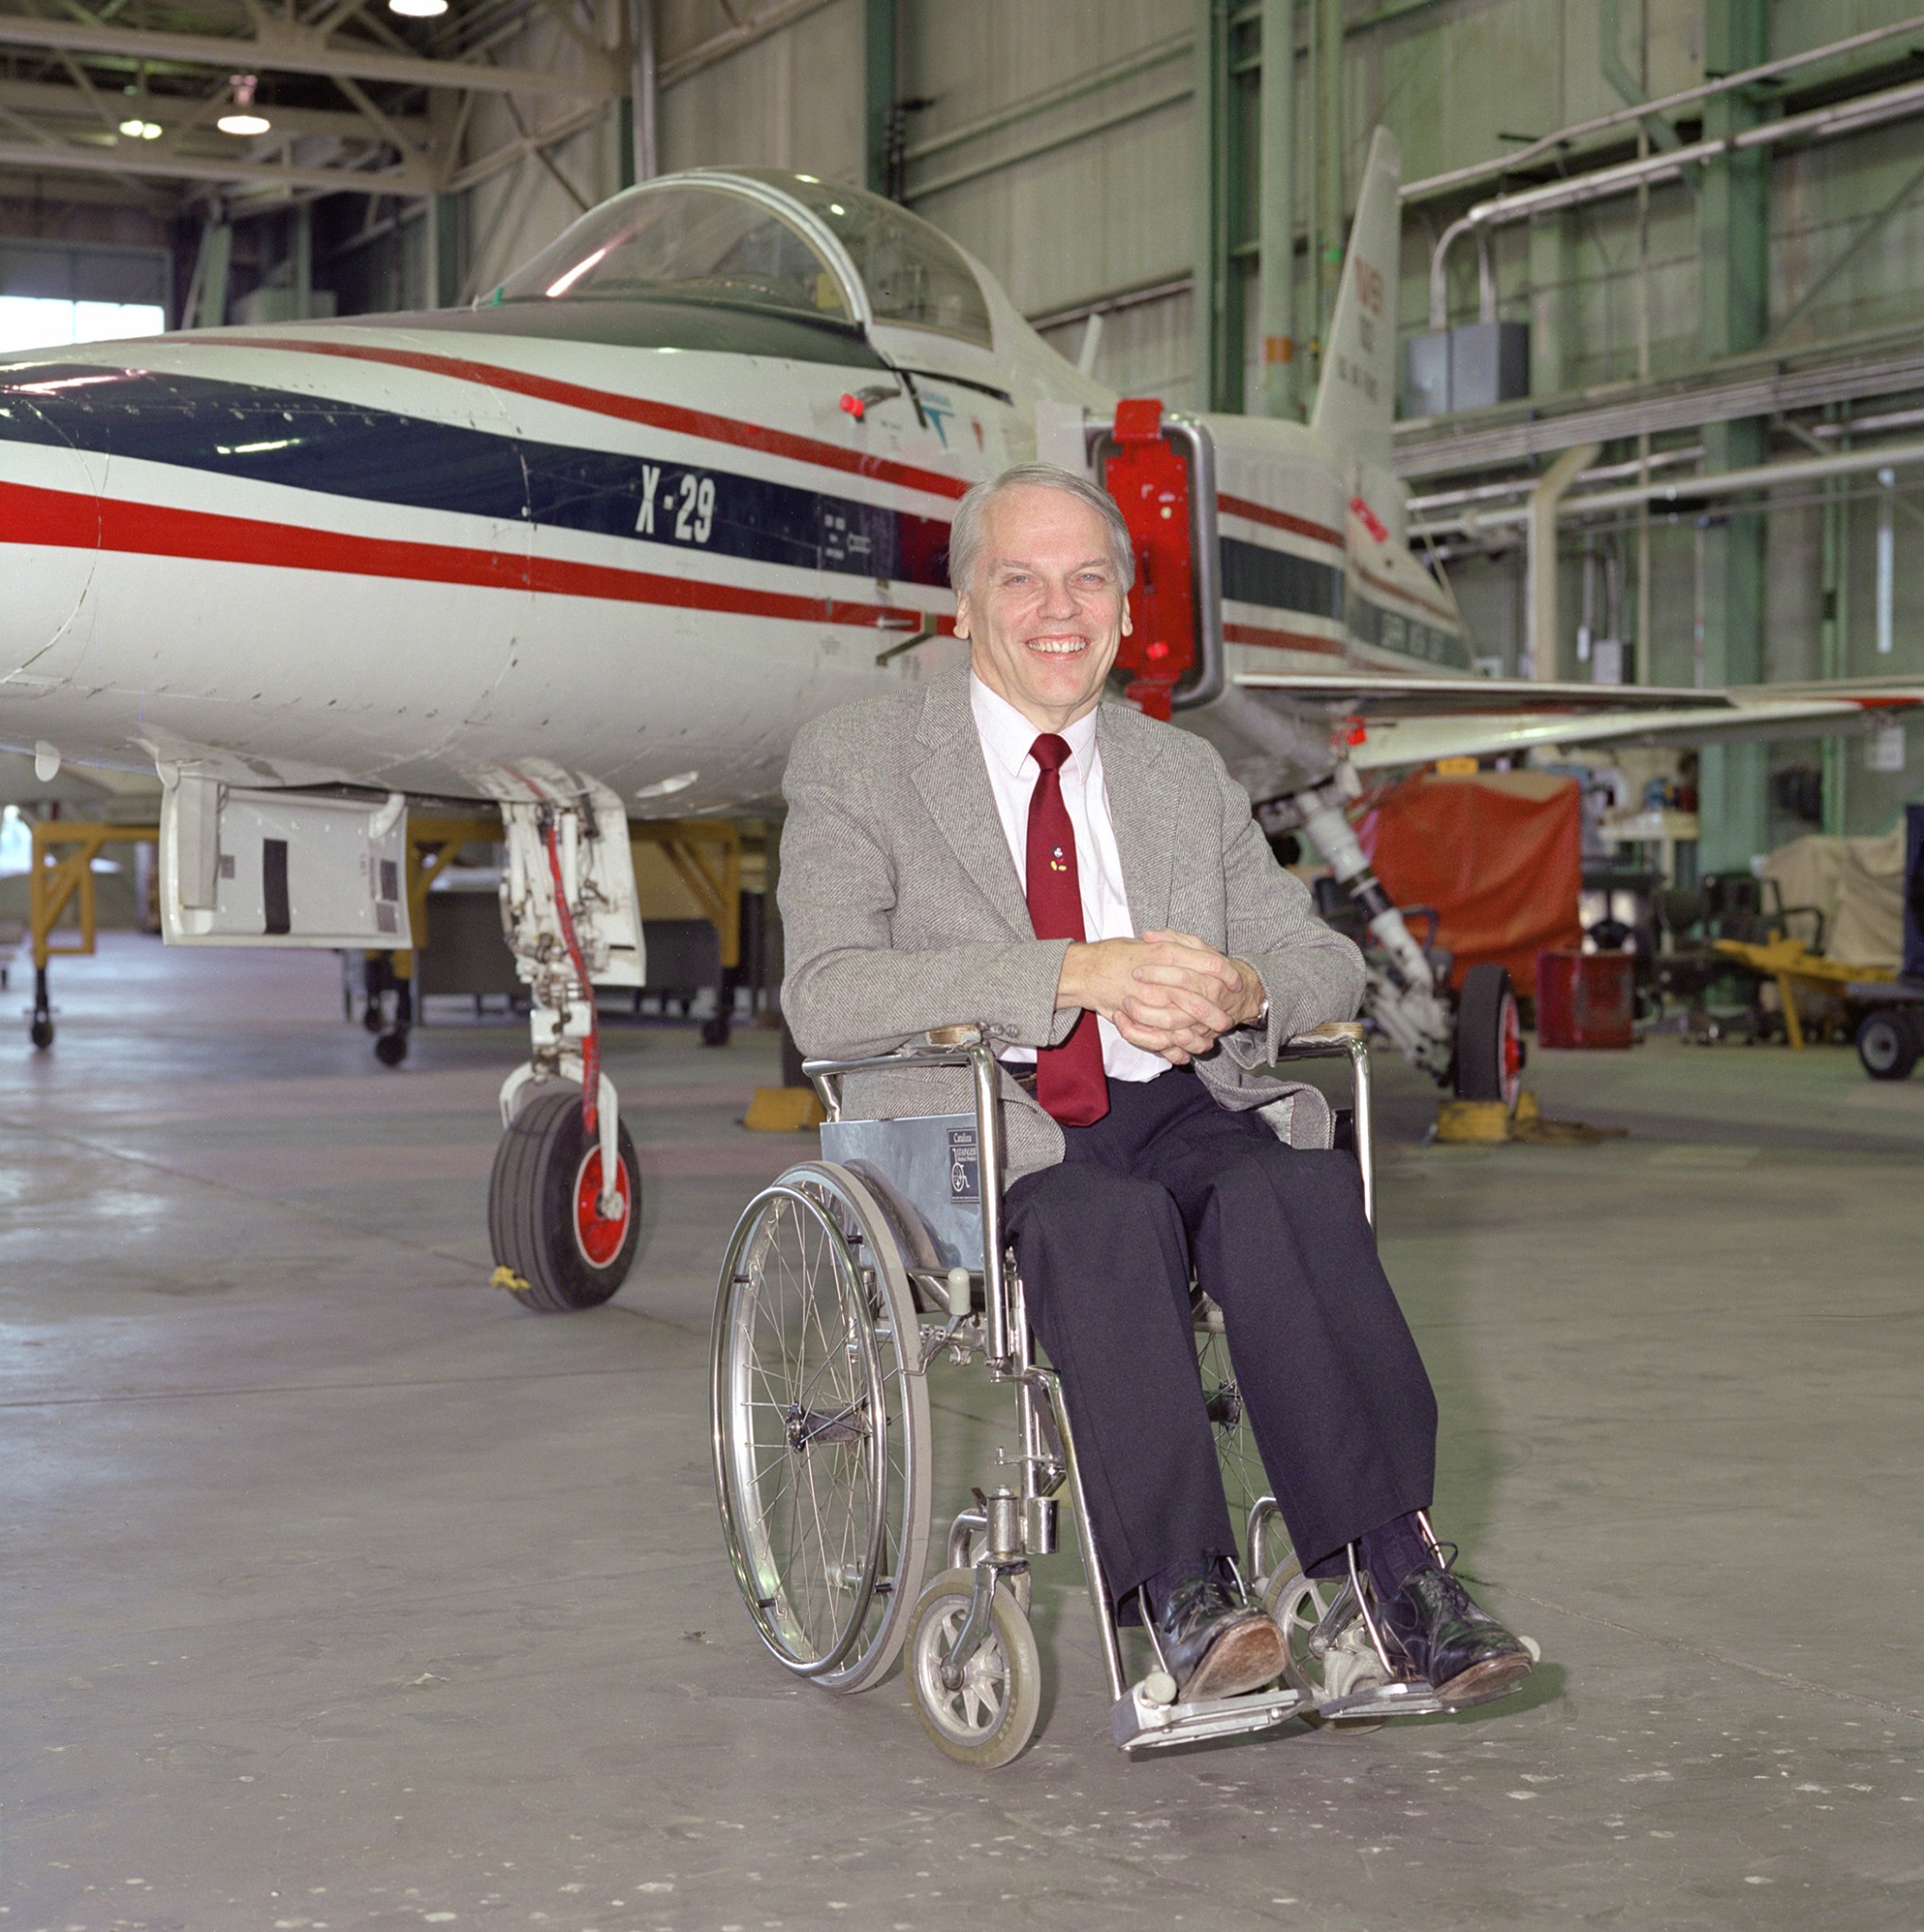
(695, 517)
(690, 499)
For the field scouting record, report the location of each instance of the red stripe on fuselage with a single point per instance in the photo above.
(1282, 640)
(1410, 597)
(633, 408)
(67, 520)
(1278, 519)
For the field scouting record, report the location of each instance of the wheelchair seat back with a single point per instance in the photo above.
(930, 1166)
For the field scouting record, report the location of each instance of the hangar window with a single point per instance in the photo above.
(702, 244)
(916, 277)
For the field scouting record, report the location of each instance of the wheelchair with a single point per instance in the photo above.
(844, 1284)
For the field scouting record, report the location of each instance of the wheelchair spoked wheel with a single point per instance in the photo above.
(1299, 1604)
(820, 1427)
(986, 1719)
(1245, 1485)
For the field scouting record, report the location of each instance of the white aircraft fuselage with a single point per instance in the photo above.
(640, 537)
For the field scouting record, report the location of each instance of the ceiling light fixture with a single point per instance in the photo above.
(137, 129)
(418, 10)
(242, 118)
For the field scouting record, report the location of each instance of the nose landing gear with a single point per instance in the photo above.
(564, 1198)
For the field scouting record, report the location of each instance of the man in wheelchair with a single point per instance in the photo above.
(1000, 846)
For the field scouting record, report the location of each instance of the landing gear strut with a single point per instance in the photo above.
(564, 1198)
(40, 1028)
(1400, 992)
(389, 1014)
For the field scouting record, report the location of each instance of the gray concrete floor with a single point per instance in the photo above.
(340, 1594)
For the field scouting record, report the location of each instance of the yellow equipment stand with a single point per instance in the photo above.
(705, 854)
(64, 850)
(1791, 963)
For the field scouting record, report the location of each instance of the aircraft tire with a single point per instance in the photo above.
(40, 1031)
(391, 1049)
(1490, 1053)
(554, 1252)
(714, 1031)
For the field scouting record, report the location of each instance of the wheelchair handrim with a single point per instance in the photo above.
(731, 1432)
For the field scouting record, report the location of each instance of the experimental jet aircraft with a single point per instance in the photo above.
(602, 541)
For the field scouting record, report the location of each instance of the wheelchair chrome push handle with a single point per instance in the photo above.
(1348, 1039)
(951, 1045)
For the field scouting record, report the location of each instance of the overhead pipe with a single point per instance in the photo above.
(1540, 567)
(1844, 117)
(1550, 145)
(1766, 476)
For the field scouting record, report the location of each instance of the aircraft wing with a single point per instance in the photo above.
(1402, 721)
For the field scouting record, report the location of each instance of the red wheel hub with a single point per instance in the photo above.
(600, 1237)
(1509, 1046)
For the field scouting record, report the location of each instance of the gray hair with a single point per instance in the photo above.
(965, 535)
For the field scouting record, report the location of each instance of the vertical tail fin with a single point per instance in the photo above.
(1355, 399)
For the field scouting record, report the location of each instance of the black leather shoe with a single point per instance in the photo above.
(1214, 1643)
(1468, 1657)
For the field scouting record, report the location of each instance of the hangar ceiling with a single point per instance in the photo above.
(358, 97)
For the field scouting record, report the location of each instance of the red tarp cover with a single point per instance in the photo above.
(1500, 855)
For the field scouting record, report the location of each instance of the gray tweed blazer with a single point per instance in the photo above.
(902, 910)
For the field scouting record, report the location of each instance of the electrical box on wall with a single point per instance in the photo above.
(1470, 367)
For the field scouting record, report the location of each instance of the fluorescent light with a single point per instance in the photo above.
(137, 129)
(418, 10)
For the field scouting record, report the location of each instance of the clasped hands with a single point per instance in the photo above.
(1165, 991)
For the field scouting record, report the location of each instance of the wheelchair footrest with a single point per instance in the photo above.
(1137, 1722)
(1411, 1698)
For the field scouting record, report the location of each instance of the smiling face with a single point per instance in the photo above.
(1046, 611)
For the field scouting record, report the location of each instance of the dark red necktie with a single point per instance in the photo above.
(1070, 1080)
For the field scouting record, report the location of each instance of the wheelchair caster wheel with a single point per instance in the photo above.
(990, 1715)
(553, 1247)
(1350, 1664)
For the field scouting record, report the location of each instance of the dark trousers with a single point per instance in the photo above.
(1344, 1418)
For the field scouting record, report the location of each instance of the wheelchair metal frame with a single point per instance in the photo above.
(1014, 1526)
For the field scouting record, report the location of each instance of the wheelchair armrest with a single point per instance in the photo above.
(1346, 1040)
(964, 1044)
(1333, 1036)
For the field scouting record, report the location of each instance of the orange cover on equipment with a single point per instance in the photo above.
(1500, 857)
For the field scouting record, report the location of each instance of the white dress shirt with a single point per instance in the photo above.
(1008, 737)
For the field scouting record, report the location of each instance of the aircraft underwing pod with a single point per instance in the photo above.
(565, 1196)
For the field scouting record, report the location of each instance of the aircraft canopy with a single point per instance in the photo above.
(915, 275)
(705, 240)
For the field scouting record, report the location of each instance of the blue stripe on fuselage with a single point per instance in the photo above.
(342, 449)
(1280, 580)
